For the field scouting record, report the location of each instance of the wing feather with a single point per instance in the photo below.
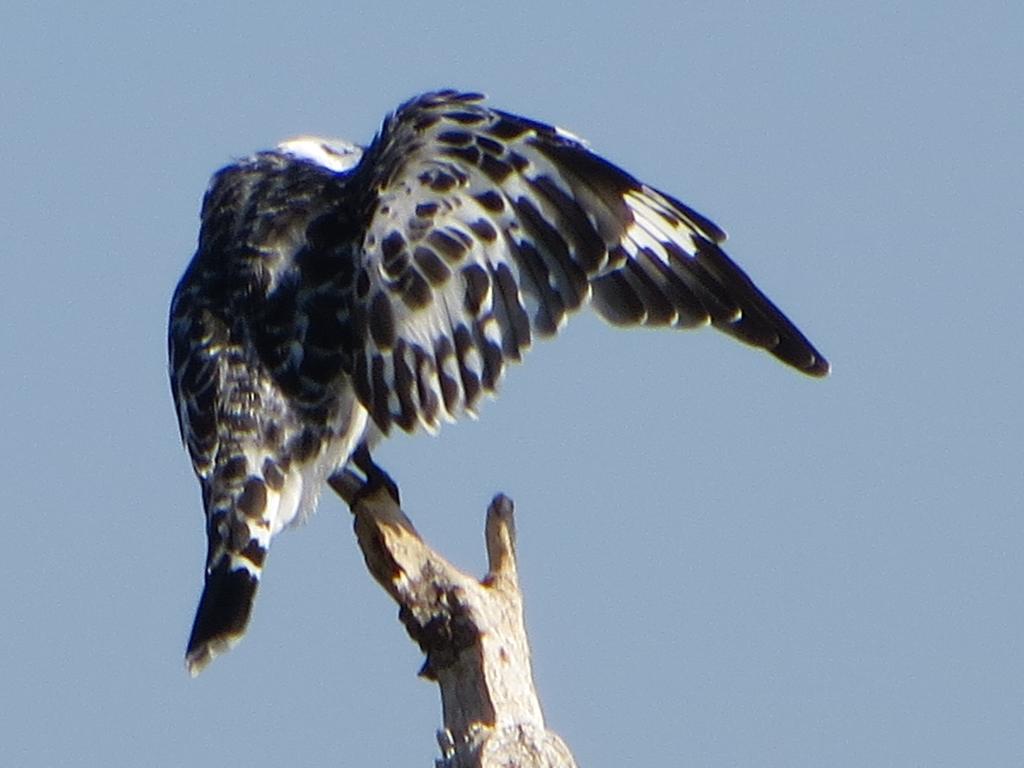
(485, 229)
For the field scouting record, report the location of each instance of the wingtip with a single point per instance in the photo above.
(819, 368)
(796, 352)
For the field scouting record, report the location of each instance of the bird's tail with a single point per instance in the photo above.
(223, 613)
(243, 511)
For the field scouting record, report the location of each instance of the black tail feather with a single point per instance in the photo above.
(222, 615)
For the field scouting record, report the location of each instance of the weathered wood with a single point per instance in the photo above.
(472, 632)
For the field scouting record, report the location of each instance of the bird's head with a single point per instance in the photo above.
(335, 155)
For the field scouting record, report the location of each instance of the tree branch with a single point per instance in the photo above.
(472, 631)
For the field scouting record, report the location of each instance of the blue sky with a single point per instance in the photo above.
(724, 563)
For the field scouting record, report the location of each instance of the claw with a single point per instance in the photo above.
(347, 484)
(352, 488)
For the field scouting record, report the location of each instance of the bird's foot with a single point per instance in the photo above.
(352, 487)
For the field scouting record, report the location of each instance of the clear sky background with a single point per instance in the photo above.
(725, 563)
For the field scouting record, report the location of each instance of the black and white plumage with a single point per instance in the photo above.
(337, 293)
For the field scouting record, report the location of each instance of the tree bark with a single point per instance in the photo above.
(472, 631)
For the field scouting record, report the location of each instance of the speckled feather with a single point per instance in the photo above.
(336, 293)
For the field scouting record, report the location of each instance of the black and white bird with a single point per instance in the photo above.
(339, 292)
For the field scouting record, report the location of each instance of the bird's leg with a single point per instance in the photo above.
(351, 487)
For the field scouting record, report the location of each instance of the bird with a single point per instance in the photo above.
(339, 293)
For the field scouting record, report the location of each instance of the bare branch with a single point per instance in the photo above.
(472, 632)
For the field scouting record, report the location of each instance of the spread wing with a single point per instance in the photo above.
(486, 229)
